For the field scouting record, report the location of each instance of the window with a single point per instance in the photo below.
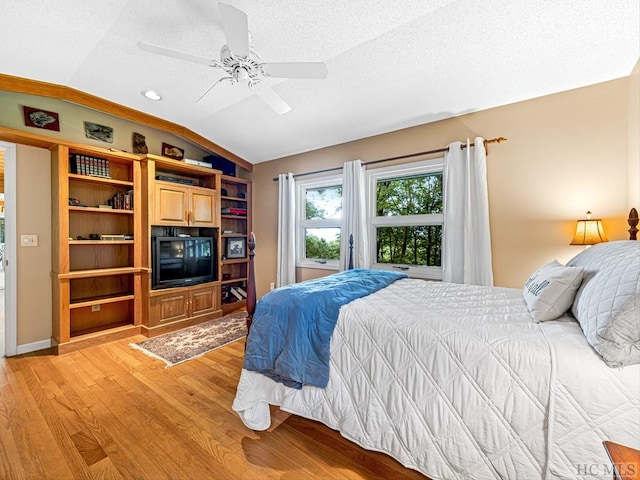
(319, 207)
(405, 207)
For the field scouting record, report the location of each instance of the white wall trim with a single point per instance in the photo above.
(33, 347)
(10, 253)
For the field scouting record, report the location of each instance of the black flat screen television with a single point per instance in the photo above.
(182, 261)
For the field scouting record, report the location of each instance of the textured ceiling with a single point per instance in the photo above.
(392, 64)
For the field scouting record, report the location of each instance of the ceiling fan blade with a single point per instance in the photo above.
(296, 70)
(167, 52)
(272, 99)
(236, 28)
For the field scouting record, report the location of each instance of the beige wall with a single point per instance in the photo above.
(634, 137)
(72, 118)
(33, 201)
(566, 153)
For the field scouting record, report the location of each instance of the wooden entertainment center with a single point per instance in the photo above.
(105, 214)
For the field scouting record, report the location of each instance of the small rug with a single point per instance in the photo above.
(191, 342)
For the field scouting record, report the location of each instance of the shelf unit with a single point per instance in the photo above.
(96, 282)
(189, 205)
(236, 194)
(102, 288)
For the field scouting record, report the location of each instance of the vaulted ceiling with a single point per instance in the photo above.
(391, 64)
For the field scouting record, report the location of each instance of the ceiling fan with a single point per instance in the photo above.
(242, 63)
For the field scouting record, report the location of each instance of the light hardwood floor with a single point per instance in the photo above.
(111, 412)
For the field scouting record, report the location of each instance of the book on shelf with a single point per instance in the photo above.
(122, 201)
(197, 162)
(233, 211)
(234, 291)
(88, 165)
(112, 237)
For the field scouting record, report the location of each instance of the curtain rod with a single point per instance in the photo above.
(410, 155)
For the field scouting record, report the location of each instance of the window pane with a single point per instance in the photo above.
(322, 243)
(417, 195)
(324, 203)
(417, 245)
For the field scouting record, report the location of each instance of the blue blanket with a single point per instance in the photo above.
(292, 326)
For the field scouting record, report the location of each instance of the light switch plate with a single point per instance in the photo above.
(28, 240)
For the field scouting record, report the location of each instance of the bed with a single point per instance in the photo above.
(460, 381)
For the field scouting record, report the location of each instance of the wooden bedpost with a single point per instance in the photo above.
(633, 224)
(251, 281)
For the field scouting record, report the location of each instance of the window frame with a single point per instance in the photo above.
(302, 223)
(395, 172)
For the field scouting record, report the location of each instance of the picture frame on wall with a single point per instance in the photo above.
(95, 131)
(236, 247)
(38, 118)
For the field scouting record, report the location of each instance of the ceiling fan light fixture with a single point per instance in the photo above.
(151, 95)
(241, 63)
(242, 75)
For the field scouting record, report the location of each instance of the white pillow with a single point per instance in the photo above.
(607, 304)
(550, 290)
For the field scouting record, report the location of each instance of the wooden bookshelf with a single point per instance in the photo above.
(236, 194)
(95, 281)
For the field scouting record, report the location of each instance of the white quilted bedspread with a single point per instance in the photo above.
(457, 382)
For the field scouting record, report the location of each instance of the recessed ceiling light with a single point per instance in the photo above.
(151, 95)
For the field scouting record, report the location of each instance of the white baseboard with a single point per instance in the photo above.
(33, 347)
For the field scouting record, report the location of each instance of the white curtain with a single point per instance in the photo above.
(466, 256)
(354, 216)
(286, 273)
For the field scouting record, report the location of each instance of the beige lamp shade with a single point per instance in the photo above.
(589, 232)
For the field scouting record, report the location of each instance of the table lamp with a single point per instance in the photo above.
(589, 232)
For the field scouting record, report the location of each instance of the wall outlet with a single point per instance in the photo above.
(272, 286)
(28, 240)
(95, 308)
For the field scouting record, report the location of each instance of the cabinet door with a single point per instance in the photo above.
(172, 205)
(204, 301)
(203, 208)
(169, 308)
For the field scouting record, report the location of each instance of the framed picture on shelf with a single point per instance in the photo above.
(172, 152)
(236, 247)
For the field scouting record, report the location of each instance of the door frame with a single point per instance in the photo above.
(10, 256)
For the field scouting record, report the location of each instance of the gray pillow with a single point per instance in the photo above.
(607, 304)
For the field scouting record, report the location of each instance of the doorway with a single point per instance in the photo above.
(8, 298)
(2, 322)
